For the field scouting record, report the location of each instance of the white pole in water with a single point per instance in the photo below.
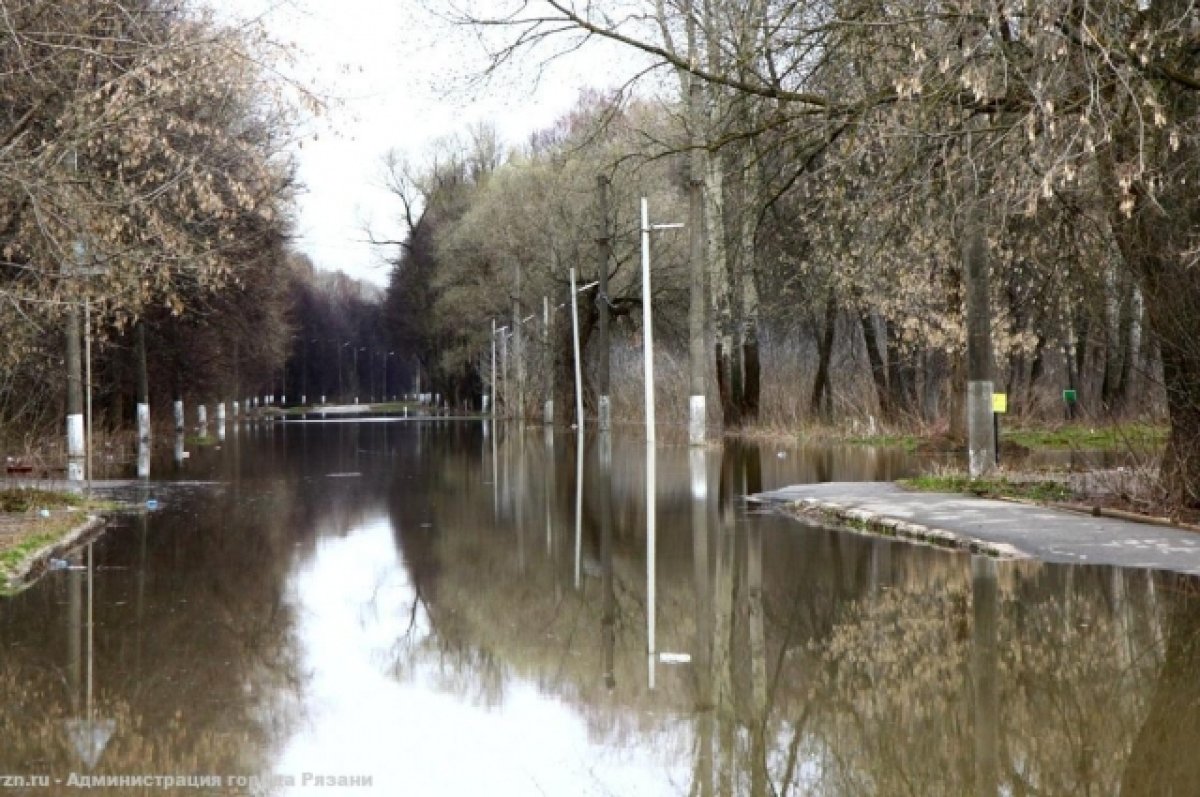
(651, 557)
(578, 505)
(575, 343)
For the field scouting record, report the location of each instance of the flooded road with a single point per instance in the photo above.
(439, 608)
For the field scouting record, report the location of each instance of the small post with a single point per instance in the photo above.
(999, 407)
(575, 344)
(996, 434)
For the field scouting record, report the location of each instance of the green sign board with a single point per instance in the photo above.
(1069, 396)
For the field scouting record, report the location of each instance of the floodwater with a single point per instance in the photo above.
(434, 607)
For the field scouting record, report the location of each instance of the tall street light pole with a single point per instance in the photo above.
(648, 330)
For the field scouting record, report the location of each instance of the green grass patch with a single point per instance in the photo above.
(1001, 487)
(12, 557)
(23, 499)
(394, 406)
(1095, 438)
(906, 441)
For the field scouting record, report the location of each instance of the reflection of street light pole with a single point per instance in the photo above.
(88, 735)
(651, 570)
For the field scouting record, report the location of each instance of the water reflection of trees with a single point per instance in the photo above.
(194, 650)
(822, 663)
(904, 703)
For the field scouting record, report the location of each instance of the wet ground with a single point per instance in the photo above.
(432, 608)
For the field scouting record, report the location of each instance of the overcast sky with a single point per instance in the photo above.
(396, 75)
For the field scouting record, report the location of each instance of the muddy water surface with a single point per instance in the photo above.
(443, 608)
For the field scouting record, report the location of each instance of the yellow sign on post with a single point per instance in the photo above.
(999, 403)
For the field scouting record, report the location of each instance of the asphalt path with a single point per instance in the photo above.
(1001, 528)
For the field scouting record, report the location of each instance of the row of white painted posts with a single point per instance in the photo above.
(79, 439)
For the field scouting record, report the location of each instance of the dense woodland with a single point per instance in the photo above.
(848, 174)
(146, 187)
(145, 184)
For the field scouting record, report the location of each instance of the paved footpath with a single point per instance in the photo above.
(1001, 528)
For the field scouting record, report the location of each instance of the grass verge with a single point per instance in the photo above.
(25, 499)
(1093, 438)
(908, 442)
(32, 521)
(996, 487)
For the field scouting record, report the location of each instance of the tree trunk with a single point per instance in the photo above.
(697, 301)
(878, 369)
(1156, 238)
(1037, 366)
(1162, 758)
(932, 380)
(901, 374)
(721, 278)
(819, 403)
(1181, 376)
(981, 448)
(1115, 313)
(957, 404)
(75, 433)
(748, 397)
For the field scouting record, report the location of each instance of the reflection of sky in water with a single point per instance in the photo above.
(260, 622)
(354, 602)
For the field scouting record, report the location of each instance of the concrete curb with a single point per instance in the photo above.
(34, 565)
(865, 522)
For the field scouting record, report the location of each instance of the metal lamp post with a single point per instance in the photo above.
(647, 321)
